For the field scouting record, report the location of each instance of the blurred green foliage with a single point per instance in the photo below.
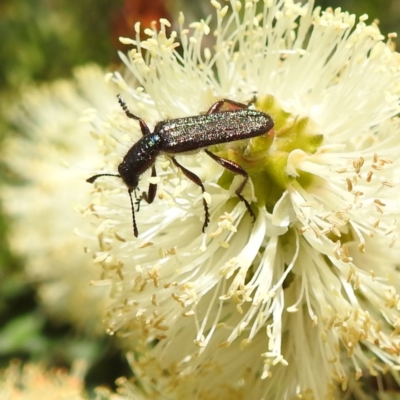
(44, 40)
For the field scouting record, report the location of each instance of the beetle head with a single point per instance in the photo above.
(129, 175)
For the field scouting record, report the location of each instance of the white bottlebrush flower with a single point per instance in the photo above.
(47, 135)
(304, 301)
(34, 382)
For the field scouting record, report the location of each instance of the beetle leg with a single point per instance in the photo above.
(151, 193)
(195, 179)
(230, 105)
(237, 169)
(137, 202)
(143, 126)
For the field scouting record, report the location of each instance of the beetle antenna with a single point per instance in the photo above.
(143, 127)
(123, 105)
(94, 177)
(135, 229)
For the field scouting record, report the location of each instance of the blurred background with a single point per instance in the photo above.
(44, 41)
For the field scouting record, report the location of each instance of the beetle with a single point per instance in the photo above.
(189, 134)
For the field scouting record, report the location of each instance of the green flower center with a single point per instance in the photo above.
(265, 157)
